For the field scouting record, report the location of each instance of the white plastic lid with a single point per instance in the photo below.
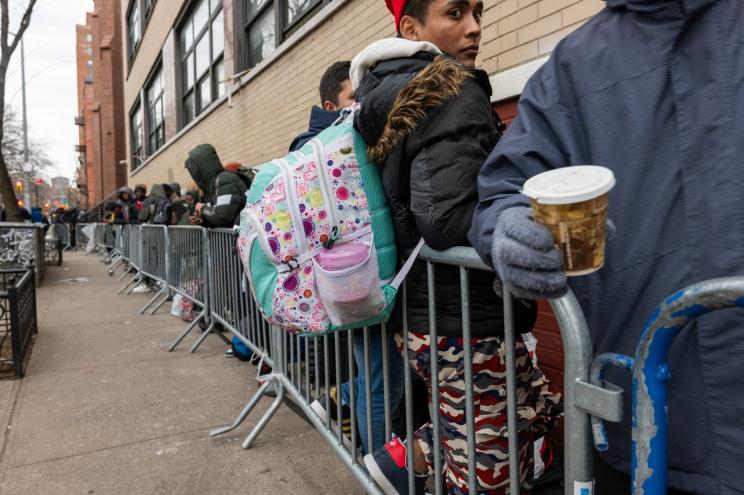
(568, 185)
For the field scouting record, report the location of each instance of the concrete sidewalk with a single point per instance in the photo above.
(104, 408)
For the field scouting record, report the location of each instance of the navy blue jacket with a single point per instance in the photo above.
(654, 90)
(320, 120)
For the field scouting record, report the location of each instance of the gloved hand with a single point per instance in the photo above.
(525, 257)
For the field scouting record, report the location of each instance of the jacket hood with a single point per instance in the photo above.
(321, 119)
(385, 49)
(652, 7)
(204, 165)
(175, 187)
(122, 190)
(157, 190)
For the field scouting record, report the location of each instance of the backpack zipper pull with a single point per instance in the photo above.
(332, 238)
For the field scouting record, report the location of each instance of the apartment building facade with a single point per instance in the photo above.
(102, 135)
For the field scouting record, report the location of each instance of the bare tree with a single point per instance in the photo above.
(6, 51)
(13, 152)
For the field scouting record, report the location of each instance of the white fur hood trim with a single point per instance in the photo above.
(385, 49)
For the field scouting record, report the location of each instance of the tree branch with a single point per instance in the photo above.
(25, 21)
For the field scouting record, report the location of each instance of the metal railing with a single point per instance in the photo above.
(651, 372)
(203, 266)
(18, 321)
(359, 374)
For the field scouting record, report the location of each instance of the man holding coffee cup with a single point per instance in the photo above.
(654, 91)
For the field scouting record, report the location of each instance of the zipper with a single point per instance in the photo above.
(294, 209)
(325, 182)
(249, 246)
(253, 222)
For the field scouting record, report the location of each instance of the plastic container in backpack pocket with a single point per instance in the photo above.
(348, 282)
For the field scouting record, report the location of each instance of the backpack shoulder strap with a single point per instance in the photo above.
(401, 276)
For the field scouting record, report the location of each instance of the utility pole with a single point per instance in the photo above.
(26, 164)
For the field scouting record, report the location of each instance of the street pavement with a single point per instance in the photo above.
(105, 409)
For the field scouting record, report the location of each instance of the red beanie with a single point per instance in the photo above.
(396, 8)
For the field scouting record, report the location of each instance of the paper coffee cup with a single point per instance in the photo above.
(572, 203)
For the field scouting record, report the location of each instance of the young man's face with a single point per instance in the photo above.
(454, 26)
(345, 98)
(140, 194)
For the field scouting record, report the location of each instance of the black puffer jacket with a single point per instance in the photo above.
(429, 122)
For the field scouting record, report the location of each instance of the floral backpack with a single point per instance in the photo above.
(316, 237)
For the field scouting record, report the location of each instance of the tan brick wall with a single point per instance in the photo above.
(273, 107)
(517, 31)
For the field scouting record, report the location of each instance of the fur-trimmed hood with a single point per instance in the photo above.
(437, 83)
(398, 86)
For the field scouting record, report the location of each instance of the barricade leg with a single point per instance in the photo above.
(115, 264)
(153, 299)
(126, 272)
(267, 415)
(169, 297)
(129, 287)
(189, 328)
(203, 336)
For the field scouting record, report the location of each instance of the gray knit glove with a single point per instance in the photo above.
(525, 257)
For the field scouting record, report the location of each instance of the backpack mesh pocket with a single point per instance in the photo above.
(353, 294)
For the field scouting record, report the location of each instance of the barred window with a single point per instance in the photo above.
(155, 119)
(138, 136)
(202, 43)
(262, 25)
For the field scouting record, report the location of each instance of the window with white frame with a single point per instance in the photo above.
(202, 43)
(137, 135)
(134, 28)
(155, 116)
(262, 25)
(138, 13)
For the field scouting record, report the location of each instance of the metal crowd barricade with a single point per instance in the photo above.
(651, 372)
(117, 257)
(62, 230)
(80, 235)
(188, 275)
(155, 250)
(230, 302)
(134, 258)
(295, 377)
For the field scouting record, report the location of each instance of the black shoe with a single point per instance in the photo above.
(319, 407)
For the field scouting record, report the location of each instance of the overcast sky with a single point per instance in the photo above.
(50, 77)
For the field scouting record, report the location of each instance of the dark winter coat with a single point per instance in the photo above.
(126, 211)
(225, 191)
(152, 203)
(320, 120)
(429, 168)
(654, 90)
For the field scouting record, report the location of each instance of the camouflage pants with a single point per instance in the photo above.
(538, 404)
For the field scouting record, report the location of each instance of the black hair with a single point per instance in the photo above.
(416, 9)
(330, 83)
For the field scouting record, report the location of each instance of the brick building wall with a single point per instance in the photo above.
(101, 102)
(84, 56)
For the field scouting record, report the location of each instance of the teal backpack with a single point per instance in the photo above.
(316, 237)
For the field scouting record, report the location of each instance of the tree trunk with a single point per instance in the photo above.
(6, 191)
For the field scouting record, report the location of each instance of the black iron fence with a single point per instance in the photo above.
(18, 322)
